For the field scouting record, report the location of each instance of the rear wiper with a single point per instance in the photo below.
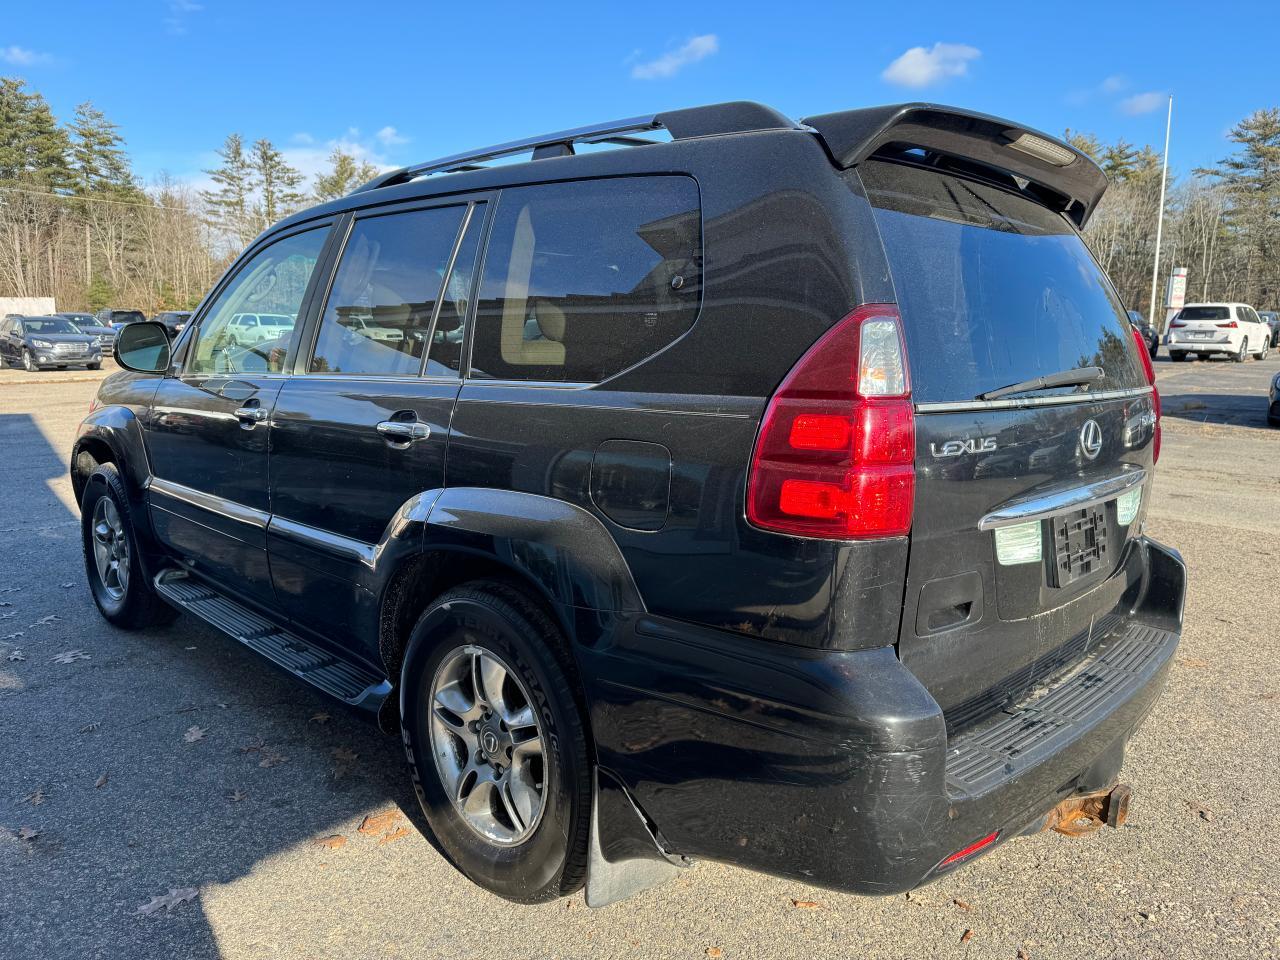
(1065, 378)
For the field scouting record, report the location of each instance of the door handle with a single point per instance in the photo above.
(403, 431)
(250, 415)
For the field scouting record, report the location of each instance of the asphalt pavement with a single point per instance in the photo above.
(176, 765)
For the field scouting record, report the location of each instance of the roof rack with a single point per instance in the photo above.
(736, 117)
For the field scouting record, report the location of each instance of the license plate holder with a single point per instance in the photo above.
(1079, 545)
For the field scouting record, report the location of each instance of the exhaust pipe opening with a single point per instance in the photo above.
(1088, 813)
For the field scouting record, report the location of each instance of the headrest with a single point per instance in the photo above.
(550, 320)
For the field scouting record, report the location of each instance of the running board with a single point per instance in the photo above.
(351, 683)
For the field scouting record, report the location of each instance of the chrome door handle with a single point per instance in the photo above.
(403, 431)
(251, 414)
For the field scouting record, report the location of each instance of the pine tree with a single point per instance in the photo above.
(32, 145)
(277, 184)
(99, 163)
(1086, 143)
(345, 174)
(229, 204)
(1119, 160)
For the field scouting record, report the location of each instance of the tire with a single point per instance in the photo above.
(28, 361)
(1243, 353)
(93, 366)
(126, 599)
(1177, 356)
(1266, 349)
(487, 623)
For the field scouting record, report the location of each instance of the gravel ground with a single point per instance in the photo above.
(129, 810)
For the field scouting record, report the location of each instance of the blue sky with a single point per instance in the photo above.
(401, 82)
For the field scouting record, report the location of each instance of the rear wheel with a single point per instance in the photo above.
(113, 555)
(496, 742)
(1177, 356)
(1243, 353)
(94, 366)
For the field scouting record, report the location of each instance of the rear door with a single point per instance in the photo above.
(1018, 546)
(362, 427)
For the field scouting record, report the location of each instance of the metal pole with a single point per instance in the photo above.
(1164, 177)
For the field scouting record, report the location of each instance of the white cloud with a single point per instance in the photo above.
(22, 57)
(1142, 103)
(919, 67)
(1114, 83)
(672, 62)
(388, 136)
(176, 22)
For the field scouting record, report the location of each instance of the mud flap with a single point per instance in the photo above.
(624, 857)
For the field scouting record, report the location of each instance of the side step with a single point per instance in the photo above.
(348, 682)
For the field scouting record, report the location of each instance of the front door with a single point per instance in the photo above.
(209, 423)
(362, 427)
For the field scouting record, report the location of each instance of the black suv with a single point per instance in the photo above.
(765, 492)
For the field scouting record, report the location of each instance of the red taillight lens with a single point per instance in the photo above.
(1176, 323)
(1145, 358)
(1229, 325)
(970, 850)
(836, 451)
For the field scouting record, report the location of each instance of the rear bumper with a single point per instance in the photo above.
(1204, 346)
(835, 768)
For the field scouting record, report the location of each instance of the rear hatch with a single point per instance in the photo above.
(1201, 323)
(1020, 538)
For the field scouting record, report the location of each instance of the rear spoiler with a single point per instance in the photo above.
(1065, 179)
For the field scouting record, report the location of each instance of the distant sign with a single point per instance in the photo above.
(1177, 295)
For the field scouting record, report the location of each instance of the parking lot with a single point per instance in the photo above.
(177, 764)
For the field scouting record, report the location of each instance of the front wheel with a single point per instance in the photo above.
(1177, 356)
(496, 741)
(29, 362)
(1266, 349)
(113, 555)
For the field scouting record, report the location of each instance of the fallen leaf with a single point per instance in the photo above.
(45, 621)
(68, 585)
(70, 656)
(345, 755)
(1204, 813)
(26, 833)
(36, 797)
(962, 905)
(8, 616)
(714, 952)
(272, 760)
(168, 901)
(257, 743)
(333, 842)
(319, 718)
(806, 904)
(6, 603)
(1023, 955)
(380, 822)
(221, 706)
(13, 636)
(90, 727)
(392, 835)
(966, 936)
(189, 648)
(100, 782)
(235, 796)
(193, 734)
(16, 656)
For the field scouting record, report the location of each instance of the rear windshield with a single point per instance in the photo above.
(993, 288)
(126, 316)
(1204, 313)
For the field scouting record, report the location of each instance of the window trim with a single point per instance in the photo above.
(301, 362)
(180, 365)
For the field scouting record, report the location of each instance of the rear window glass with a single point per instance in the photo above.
(583, 280)
(993, 288)
(1204, 313)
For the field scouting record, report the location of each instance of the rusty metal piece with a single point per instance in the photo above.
(1087, 813)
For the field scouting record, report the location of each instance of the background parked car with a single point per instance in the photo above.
(109, 317)
(1273, 411)
(88, 323)
(1149, 335)
(246, 329)
(1273, 320)
(1227, 329)
(174, 320)
(36, 343)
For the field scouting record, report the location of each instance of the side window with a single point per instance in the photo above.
(583, 280)
(378, 317)
(274, 280)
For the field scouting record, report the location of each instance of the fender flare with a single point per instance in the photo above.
(117, 428)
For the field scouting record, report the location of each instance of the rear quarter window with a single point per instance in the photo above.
(583, 280)
(993, 288)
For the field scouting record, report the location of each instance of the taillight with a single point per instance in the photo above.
(1229, 325)
(1177, 323)
(836, 451)
(1150, 371)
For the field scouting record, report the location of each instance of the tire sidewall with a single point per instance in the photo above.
(28, 362)
(532, 870)
(105, 482)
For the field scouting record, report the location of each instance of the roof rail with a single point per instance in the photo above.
(735, 117)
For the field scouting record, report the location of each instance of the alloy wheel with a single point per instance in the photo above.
(110, 549)
(488, 745)
(28, 362)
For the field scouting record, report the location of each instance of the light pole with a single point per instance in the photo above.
(1164, 178)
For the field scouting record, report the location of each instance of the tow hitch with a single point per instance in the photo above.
(1087, 813)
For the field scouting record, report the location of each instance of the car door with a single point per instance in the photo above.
(1259, 330)
(362, 426)
(8, 337)
(209, 424)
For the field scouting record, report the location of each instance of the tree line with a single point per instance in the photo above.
(78, 224)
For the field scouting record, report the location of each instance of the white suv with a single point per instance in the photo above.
(1231, 329)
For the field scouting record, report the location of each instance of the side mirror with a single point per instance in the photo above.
(143, 347)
